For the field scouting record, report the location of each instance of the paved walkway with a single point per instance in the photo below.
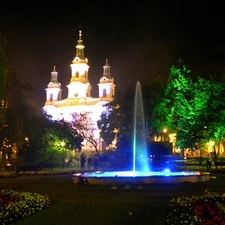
(102, 205)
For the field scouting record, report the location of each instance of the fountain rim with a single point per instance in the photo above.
(118, 173)
(187, 176)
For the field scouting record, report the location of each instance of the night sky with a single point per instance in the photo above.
(140, 39)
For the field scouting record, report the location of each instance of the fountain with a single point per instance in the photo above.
(141, 172)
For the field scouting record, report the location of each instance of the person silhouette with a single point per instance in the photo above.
(82, 160)
(208, 161)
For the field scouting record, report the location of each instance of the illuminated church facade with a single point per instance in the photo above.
(79, 99)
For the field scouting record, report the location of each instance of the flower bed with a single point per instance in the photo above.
(48, 172)
(208, 209)
(16, 205)
(7, 174)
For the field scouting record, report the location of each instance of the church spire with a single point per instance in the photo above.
(106, 84)
(53, 90)
(79, 86)
(106, 70)
(80, 47)
(54, 75)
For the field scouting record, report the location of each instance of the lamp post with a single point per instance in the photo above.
(164, 134)
(63, 152)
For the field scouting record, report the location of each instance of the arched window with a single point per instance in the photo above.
(104, 93)
(51, 97)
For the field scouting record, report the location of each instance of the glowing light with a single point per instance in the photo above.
(132, 173)
(164, 130)
(167, 170)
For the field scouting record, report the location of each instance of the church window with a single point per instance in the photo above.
(51, 97)
(77, 74)
(104, 93)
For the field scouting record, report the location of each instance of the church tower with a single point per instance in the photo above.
(79, 97)
(79, 86)
(53, 90)
(106, 86)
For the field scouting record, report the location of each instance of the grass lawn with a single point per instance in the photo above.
(85, 204)
(95, 204)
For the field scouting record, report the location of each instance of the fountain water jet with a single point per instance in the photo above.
(141, 174)
(139, 134)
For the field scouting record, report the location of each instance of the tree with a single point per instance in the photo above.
(16, 112)
(3, 80)
(117, 121)
(60, 136)
(153, 91)
(215, 114)
(86, 127)
(46, 140)
(178, 107)
(194, 108)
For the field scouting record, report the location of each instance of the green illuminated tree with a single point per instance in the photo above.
(60, 136)
(194, 108)
(44, 139)
(178, 106)
(214, 116)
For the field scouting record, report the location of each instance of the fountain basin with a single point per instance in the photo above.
(139, 177)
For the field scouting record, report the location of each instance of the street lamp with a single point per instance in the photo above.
(164, 134)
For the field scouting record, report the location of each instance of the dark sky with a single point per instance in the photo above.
(140, 39)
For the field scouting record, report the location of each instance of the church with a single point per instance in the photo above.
(79, 99)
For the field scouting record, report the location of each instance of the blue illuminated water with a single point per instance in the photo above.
(140, 173)
(140, 152)
(141, 166)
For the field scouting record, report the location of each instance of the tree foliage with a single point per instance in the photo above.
(46, 139)
(178, 106)
(194, 108)
(152, 92)
(60, 135)
(116, 121)
(3, 78)
(215, 116)
(86, 127)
